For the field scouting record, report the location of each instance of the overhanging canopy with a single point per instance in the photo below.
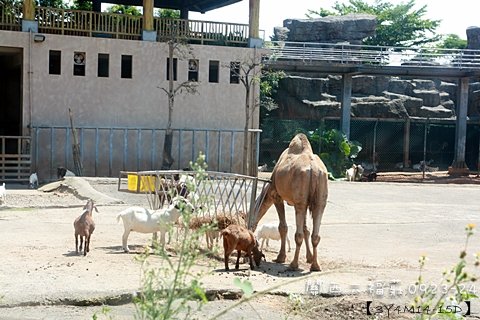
(201, 6)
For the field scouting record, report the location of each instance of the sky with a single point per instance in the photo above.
(456, 15)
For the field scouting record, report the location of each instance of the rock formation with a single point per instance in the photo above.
(352, 28)
(372, 97)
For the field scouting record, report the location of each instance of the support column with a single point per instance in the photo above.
(28, 21)
(406, 144)
(254, 40)
(184, 13)
(148, 33)
(346, 104)
(459, 166)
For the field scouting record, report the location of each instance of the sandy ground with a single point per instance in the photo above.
(372, 236)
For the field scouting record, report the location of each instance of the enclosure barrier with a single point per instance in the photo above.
(105, 151)
(216, 193)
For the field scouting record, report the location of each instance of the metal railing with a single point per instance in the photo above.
(216, 193)
(15, 158)
(107, 150)
(343, 53)
(123, 26)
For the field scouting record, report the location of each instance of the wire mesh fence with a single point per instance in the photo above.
(217, 195)
(387, 145)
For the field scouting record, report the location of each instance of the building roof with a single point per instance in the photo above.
(190, 5)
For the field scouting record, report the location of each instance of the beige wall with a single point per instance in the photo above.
(137, 102)
(115, 102)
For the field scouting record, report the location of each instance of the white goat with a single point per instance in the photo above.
(269, 231)
(33, 180)
(350, 173)
(151, 221)
(3, 194)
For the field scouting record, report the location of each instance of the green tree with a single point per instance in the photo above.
(122, 9)
(86, 5)
(453, 41)
(269, 81)
(11, 7)
(337, 152)
(397, 25)
(53, 4)
(167, 13)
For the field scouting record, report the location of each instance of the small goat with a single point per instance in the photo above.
(350, 173)
(269, 231)
(236, 237)
(84, 227)
(142, 220)
(63, 172)
(217, 223)
(3, 194)
(354, 173)
(33, 180)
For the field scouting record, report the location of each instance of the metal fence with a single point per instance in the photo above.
(231, 196)
(383, 141)
(345, 53)
(107, 151)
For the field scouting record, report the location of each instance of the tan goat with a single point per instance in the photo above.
(84, 227)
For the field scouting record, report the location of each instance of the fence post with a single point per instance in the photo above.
(406, 144)
(374, 152)
(255, 151)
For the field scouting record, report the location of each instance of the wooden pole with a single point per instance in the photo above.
(77, 160)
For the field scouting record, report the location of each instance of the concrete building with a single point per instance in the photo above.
(115, 82)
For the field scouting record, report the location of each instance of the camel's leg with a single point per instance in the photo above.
(306, 236)
(282, 228)
(300, 220)
(317, 214)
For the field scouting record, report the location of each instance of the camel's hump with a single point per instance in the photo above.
(299, 144)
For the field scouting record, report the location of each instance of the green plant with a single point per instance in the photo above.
(397, 24)
(167, 289)
(336, 151)
(440, 303)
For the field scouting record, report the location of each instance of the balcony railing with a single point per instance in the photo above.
(309, 52)
(121, 26)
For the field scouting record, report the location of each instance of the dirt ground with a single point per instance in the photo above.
(41, 277)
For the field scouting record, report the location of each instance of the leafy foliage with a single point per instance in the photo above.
(455, 282)
(167, 13)
(397, 25)
(268, 88)
(453, 41)
(82, 5)
(122, 9)
(337, 152)
(167, 289)
(53, 4)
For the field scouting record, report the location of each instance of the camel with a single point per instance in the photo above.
(301, 179)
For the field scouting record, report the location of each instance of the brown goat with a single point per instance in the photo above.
(236, 237)
(84, 227)
(217, 223)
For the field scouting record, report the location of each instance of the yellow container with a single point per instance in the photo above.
(147, 183)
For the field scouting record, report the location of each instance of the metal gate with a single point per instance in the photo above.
(218, 193)
(15, 158)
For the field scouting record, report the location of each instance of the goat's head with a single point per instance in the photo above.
(257, 254)
(181, 203)
(89, 206)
